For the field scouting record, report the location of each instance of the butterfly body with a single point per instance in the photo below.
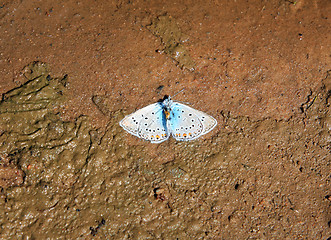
(156, 122)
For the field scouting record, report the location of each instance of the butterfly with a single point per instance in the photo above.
(156, 122)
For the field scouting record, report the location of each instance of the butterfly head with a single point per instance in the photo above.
(166, 102)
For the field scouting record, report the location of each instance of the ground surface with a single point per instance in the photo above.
(71, 70)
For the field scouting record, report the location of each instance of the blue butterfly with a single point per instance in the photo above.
(156, 122)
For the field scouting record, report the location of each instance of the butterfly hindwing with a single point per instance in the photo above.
(147, 123)
(153, 127)
(187, 123)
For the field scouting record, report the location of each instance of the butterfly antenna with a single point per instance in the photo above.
(187, 103)
(181, 101)
(179, 92)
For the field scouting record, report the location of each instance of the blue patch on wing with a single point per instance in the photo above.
(184, 122)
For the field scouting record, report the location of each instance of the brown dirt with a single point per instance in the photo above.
(262, 69)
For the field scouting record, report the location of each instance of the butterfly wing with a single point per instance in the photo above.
(148, 123)
(187, 123)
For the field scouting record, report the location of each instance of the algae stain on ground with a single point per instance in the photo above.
(37, 145)
(24, 110)
(166, 28)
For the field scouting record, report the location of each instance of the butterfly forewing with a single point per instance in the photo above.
(147, 123)
(131, 122)
(207, 121)
(187, 123)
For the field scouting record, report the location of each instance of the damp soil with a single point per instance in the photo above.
(70, 71)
